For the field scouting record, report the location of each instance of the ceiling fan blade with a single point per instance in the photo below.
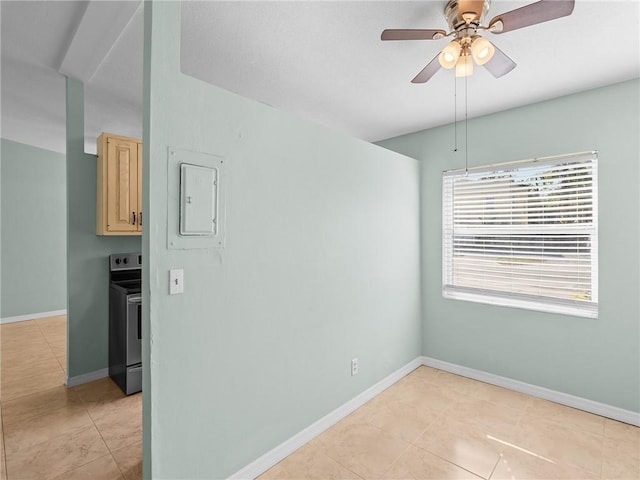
(469, 6)
(499, 64)
(427, 72)
(405, 34)
(538, 12)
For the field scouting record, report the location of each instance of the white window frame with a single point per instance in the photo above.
(470, 286)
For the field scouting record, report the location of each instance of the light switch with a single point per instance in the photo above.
(176, 281)
(198, 200)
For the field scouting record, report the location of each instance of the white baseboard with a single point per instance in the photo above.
(580, 403)
(32, 316)
(87, 377)
(269, 459)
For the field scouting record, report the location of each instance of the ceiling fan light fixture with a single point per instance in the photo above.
(464, 66)
(482, 50)
(449, 55)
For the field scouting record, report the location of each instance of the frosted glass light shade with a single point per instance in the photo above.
(449, 55)
(464, 66)
(482, 50)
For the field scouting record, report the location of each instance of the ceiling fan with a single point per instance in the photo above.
(465, 19)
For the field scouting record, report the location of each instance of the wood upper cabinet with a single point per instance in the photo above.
(119, 186)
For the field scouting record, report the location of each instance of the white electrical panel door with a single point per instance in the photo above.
(198, 200)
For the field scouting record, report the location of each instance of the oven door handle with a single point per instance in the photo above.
(137, 300)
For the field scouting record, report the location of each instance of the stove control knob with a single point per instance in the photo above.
(125, 260)
(117, 260)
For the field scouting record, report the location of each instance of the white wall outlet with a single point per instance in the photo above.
(354, 366)
(176, 281)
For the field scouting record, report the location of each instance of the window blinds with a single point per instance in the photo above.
(523, 234)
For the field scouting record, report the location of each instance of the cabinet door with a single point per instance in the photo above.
(139, 187)
(122, 186)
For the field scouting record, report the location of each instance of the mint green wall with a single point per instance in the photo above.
(33, 230)
(321, 264)
(594, 359)
(87, 253)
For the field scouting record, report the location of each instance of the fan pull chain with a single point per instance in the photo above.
(455, 114)
(466, 128)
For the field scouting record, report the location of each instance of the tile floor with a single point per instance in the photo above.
(429, 425)
(92, 431)
(435, 425)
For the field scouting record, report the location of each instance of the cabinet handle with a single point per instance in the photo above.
(140, 218)
(134, 217)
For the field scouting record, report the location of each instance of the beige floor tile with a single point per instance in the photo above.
(24, 357)
(129, 460)
(517, 464)
(58, 455)
(30, 385)
(309, 463)
(57, 340)
(401, 420)
(98, 392)
(103, 468)
(362, 448)
(495, 420)
(39, 403)
(620, 468)
(621, 431)
(418, 464)
(27, 366)
(458, 383)
(370, 408)
(424, 374)
(622, 450)
(27, 434)
(26, 323)
(561, 413)
(53, 330)
(561, 442)
(423, 395)
(274, 473)
(462, 444)
(27, 345)
(3, 463)
(12, 358)
(59, 350)
(18, 328)
(22, 370)
(62, 361)
(502, 396)
(58, 347)
(53, 324)
(120, 421)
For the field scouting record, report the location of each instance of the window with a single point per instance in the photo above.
(523, 234)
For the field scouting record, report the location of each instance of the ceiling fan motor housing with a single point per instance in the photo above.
(465, 23)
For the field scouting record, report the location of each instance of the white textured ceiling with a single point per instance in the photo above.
(323, 61)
